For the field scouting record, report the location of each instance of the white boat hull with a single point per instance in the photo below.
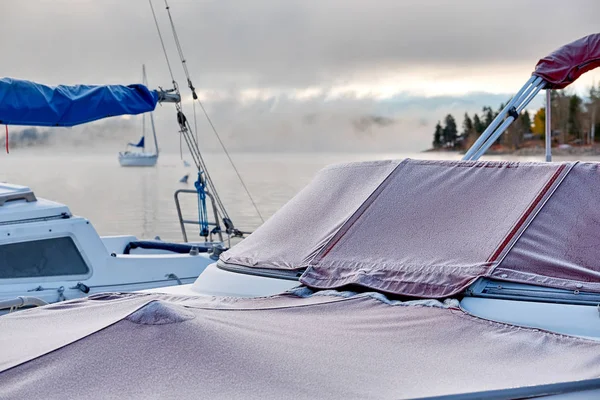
(52, 255)
(128, 159)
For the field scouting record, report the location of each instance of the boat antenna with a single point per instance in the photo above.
(195, 98)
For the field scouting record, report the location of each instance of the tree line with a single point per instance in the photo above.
(574, 121)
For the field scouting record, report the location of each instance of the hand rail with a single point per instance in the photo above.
(21, 301)
(183, 222)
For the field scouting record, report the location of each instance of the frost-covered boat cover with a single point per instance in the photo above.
(296, 345)
(430, 228)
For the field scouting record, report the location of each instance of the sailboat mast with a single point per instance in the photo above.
(154, 133)
(144, 81)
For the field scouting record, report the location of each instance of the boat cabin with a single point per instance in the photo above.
(48, 253)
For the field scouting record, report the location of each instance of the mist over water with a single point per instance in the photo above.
(139, 201)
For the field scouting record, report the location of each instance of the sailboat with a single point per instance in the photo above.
(141, 158)
(48, 254)
(502, 304)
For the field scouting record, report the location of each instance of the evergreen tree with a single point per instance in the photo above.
(515, 132)
(574, 120)
(450, 132)
(511, 134)
(488, 116)
(572, 117)
(437, 136)
(467, 126)
(525, 120)
(478, 125)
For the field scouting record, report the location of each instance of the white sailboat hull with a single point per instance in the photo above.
(129, 159)
(53, 255)
(141, 158)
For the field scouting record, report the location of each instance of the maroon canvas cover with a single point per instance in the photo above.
(322, 346)
(565, 65)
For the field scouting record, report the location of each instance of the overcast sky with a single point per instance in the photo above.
(300, 74)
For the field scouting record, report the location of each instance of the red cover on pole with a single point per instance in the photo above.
(565, 65)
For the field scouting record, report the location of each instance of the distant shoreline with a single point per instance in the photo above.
(531, 151)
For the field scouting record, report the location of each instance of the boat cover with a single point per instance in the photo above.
(565, 65)
(29, 103)
(301, 228)
(430, 228)
(331, 345)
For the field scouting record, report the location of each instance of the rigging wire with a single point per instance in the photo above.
(175, 86)
(230, 160)
(195, 97)
(195, 122)
(180, 147)
(163, 46)
(185, 133)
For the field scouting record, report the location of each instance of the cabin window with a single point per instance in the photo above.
(41, 258)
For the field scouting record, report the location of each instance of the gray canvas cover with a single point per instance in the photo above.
(301, 228)
(328, 346)
(434, 228)
(561, 246)
(430, 228)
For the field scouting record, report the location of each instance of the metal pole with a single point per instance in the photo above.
(22, 301)
(532, 82)
(528, 97)
(593, 128)
(548, 125)
(145, 83)
(181, 224)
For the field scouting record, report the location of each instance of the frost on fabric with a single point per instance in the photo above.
(160, 313)
(303, 291)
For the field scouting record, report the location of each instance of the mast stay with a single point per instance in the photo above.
(204, 180)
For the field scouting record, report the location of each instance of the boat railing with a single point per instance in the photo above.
(21, 301)
(28, 196)
(183, 222)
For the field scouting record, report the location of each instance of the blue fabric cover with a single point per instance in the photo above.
(29, 103)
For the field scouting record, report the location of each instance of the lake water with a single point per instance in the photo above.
(139, 201)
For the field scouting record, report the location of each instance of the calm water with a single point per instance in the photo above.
(139, 201)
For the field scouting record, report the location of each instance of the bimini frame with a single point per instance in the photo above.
(556, 71)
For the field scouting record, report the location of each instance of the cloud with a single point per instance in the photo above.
(404, 122)
(295, 75)
(292, 43)
(366, 123)
(320, 123)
